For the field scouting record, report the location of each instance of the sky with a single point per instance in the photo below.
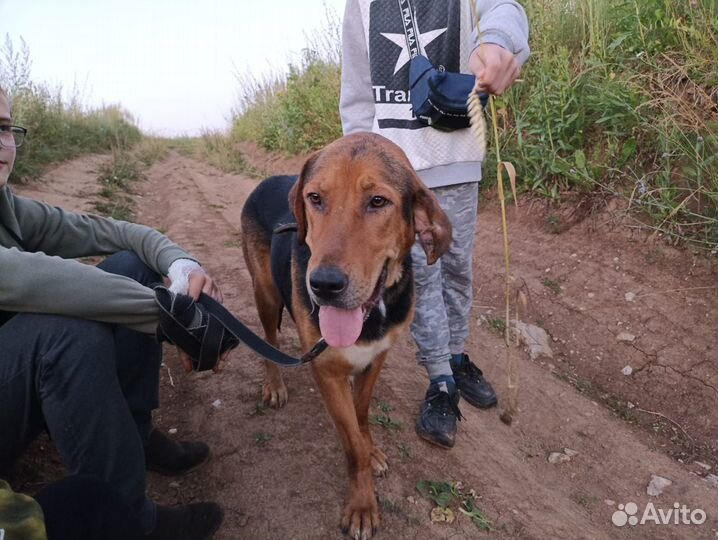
(172, 64)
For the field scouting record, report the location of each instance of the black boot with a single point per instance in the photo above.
(472, 385)
(438, 415)
(173, 458)
(196, 521)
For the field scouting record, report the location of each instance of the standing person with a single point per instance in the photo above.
(78, 353)
(375, 97)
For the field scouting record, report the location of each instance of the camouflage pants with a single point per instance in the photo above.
(443, 291)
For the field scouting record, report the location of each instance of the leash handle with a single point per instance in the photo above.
(192, 328)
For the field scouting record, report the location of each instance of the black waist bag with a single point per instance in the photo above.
(438, 97)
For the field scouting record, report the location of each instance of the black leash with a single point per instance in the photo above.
(239, 330)
(206, 329)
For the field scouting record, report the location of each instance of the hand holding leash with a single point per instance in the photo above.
(187, 324)
(495, 68)
(188, 277)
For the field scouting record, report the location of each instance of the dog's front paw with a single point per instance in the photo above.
(275, 394)
(379, 462)
(360, 519)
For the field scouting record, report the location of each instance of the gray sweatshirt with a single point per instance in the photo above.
(37, 243)
(375, 74)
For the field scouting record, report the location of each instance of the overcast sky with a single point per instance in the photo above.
(171, 63)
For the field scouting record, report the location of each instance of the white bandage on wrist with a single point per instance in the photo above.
(179, 272)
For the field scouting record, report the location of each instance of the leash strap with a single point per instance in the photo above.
(240, 331)
(205, 329)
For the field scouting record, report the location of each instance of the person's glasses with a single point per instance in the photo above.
(12, 136)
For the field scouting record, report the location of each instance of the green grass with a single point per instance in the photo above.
(551, 285)
(385, 407)
(260, 438)
(405, 451)
(616, 100)
(385, 421)
(151, 150)
(116, 178)
(298, 111)
(222, 152)
(448, 494)
(58, 128)
(477, 516)
(496, 324)
(442, 494)
(260, 409)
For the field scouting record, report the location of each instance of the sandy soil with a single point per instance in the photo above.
(281, 475)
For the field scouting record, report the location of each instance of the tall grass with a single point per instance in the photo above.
(620, 97)
(299, 111)
(221, 151)
(58, 129)
(116, 177)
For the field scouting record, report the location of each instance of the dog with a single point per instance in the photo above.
(344, 273)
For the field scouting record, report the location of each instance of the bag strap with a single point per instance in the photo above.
(411, 33)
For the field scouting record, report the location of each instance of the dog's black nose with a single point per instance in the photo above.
(327, 282)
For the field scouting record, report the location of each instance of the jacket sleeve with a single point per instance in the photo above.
(39, 283)
(44, 279)
(54, 231)
(356, 101)
(504, 23)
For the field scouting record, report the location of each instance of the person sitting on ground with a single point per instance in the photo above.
(79, 352)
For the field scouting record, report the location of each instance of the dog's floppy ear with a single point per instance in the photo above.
(296, 200)
(431, 224)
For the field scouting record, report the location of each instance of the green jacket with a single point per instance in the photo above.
(37, 243)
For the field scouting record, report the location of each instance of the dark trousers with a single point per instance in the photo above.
(91, 385)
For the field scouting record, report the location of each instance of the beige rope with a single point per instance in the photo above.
(478, 127)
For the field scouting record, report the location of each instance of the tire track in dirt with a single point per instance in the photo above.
(280, 474)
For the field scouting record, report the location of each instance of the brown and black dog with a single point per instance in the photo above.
(345, 275)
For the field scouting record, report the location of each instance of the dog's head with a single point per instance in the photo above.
(359, 206)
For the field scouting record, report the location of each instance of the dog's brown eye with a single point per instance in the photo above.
(378, 202)
(315, 199)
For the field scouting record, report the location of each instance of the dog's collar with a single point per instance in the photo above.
(286, 227)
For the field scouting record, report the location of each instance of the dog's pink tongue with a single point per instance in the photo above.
(340, 327)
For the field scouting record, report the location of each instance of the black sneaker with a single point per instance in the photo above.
(196, 521)
(173, 458)
(472, 385)
(437, 416)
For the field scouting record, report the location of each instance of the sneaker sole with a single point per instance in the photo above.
(426, 437)
(479, 404)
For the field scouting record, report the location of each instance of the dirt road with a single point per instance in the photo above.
(280, 474)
